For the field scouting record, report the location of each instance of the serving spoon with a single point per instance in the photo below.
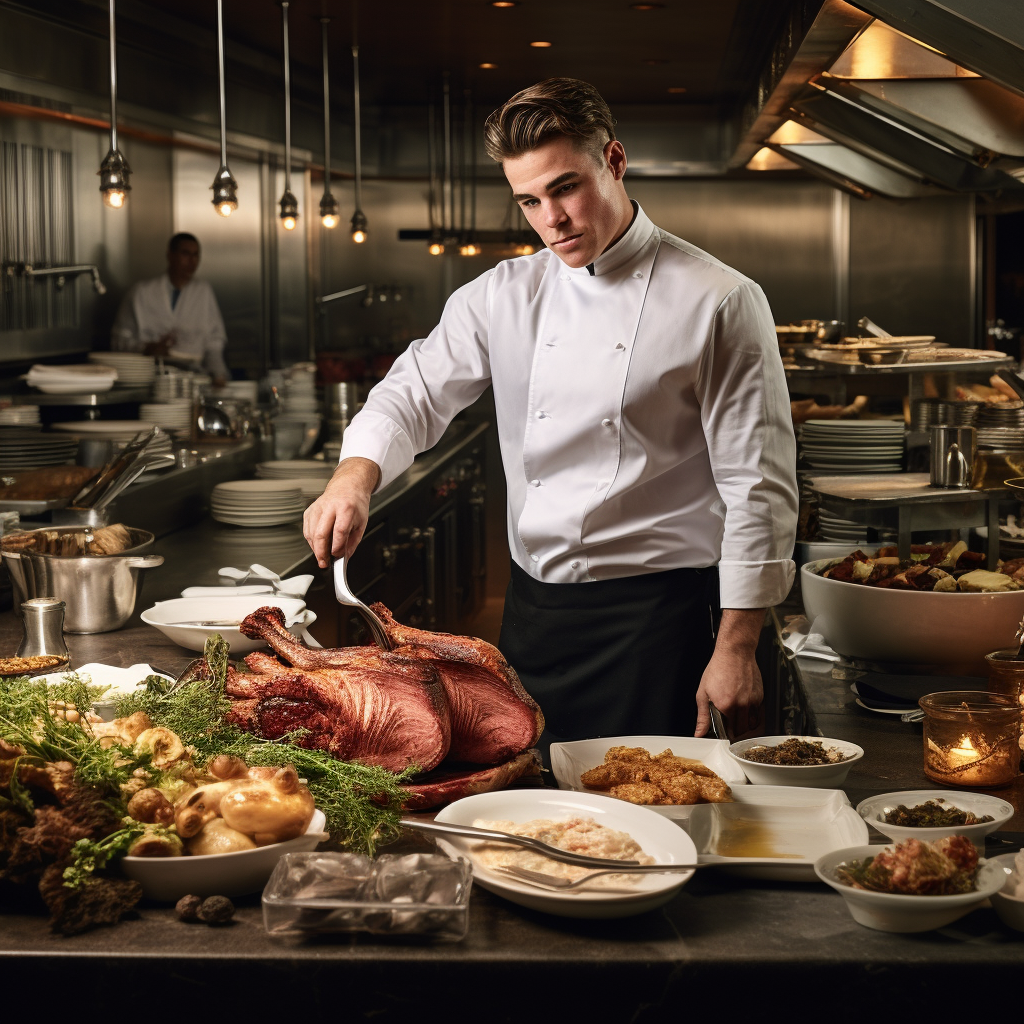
(344, 595)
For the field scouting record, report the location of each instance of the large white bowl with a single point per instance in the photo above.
(1009, 908)
(167, 879)
(894, 912)
(218, 609)
(871, 810)
(662, 839)
(811, 776)
(906, 625)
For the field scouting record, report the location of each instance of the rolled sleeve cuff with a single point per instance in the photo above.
(755, 584)
(381, 440)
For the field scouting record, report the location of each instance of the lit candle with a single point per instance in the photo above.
(963, 753)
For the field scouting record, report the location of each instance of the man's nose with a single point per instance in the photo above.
(554, 214)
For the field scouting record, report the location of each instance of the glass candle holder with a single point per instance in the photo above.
(971, 738)
(1006, 676)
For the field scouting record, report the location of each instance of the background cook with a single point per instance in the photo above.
(645, 432)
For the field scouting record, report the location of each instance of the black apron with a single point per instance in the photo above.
(616, 657)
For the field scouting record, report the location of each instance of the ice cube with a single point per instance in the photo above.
(342, 876)
(418, 878)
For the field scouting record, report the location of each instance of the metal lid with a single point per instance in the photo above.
(42, 603)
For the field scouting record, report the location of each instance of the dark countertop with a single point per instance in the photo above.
(721, 944)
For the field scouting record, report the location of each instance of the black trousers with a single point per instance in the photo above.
(614, 657)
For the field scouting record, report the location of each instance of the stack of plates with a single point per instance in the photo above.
(173, 384)
(928, 412)
(80, 379)
(852, 446)
(24, 448)
(132, 368)
(19, 415)
(119, 432)
(834, 530)
(257, 502)
(174, 415)
(294, 469)
(299, 394)
(246, 390)
(1001, 426)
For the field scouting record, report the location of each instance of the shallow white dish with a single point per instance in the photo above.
(570, 760)
(906, 625)
(894, 912)
(1009, 908)
(814, 776)
(796, 825)
(980, 803)
(120, 681)
(204, 609)
(167, 879)
(657, 836)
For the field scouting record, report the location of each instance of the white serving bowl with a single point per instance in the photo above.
(811, 776)
(662, 839)
(167, 879)
(871, 810)
(217, 609)
(894, 912)
(906, 625)
(1009, 908)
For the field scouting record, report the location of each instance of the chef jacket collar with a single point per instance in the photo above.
(627, 248)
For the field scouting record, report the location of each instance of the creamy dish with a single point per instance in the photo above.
(577, 835)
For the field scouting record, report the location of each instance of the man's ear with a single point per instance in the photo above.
(615, 158)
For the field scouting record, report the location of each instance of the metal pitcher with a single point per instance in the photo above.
(953, 450)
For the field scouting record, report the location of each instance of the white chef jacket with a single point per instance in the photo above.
(642, 413)
(146, 316)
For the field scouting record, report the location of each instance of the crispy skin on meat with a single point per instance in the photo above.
(444, 784)
(611, 773)
(715, 791)
(682, 789)
(628, 754)
(639, 792)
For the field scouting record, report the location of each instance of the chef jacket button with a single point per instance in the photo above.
(606, 423)
(574, 565)
(541, 414)
(534, 558)
(619, 347)
(638, 274)
(535, 483)
(566, 277)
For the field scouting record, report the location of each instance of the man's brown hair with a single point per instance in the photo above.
(555, 108)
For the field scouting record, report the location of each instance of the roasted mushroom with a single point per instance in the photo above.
(270, 810)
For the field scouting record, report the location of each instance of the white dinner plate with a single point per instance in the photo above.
(657, 836)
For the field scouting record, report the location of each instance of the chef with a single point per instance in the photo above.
(174, 314)
(645, 432)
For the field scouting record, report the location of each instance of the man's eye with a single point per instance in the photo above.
(528, 202)
(568, 187)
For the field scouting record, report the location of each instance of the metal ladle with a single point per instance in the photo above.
(344, 595)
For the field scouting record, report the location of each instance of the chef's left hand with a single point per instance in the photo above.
(732, 679)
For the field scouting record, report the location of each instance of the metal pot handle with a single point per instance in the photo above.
(144, 561)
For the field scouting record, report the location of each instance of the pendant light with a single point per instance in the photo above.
(289, 204)
(358, 218)
(114, 170)
(329, 215)
(225, 188)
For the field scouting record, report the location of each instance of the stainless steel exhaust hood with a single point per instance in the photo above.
(906, 116)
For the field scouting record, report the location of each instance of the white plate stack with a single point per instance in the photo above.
(257, 502)
(852, 446)
(27, 449)
(132, 367)
(173, 415)
(19, 415)
(299, 396)
(79, 379)
(294, 469)
(834, 530)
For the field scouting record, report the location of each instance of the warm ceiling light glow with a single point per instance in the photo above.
(359, 237)
(469, 250)
(487, 66)
(288, 223)
(524, 250)
(793, 133)
(540, 44)
(676, 89)
(646, 7)
(766, 159)
(881, 52)
(504, 3)
(226, 208)
(330, 220)
(115, 199)
(436, 249)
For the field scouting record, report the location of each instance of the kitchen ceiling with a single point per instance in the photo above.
(712, 50)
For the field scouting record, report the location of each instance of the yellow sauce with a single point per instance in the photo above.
(745, 837)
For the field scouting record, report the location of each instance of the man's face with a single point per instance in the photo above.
(574, 202)
(182, 261)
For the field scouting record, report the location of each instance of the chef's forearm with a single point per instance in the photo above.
(740, 630)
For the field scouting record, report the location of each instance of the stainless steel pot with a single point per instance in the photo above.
(99, 591)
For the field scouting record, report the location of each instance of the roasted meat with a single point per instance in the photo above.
(435, 698)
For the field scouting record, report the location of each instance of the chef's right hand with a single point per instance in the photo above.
(335, 522)
(160, 347)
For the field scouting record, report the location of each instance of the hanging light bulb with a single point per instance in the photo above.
(358, 218)
(288, 203)
(329, 215)
(225, 188)
(436, 249)
(114, 170)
